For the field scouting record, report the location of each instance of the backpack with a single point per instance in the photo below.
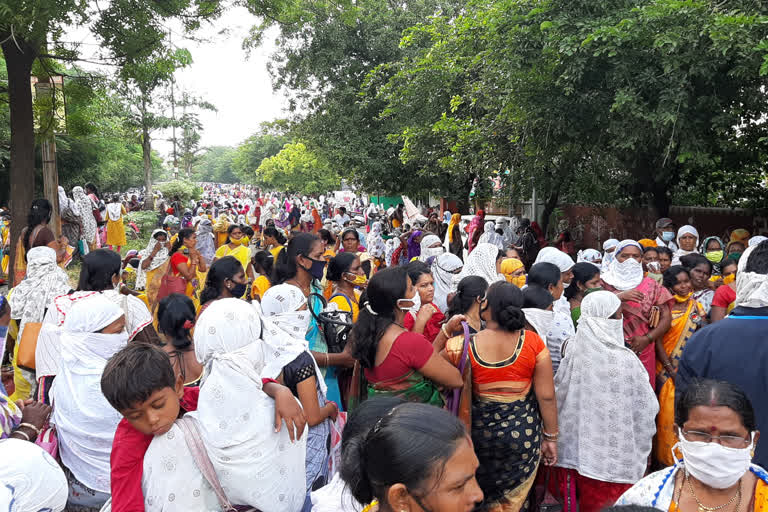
(334, 325)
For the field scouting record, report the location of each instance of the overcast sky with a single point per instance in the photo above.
(239, 85)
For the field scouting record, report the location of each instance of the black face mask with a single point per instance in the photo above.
(238, 290)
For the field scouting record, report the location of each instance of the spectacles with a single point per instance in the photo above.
(727, 441)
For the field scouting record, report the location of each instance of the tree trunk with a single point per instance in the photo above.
(22, 169)
(549, 206)
(660, 199)
(146, 149)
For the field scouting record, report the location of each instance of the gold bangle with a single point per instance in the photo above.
(326, 359)
(442, 328)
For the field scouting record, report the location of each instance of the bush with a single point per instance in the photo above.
(186, 190)
(146, 221)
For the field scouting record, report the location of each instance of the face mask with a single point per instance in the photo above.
(713, 464)
(630, 273)
(236, 241)
(591, 290)
(238, 290)
(518, 281)
(317, 269)
(714, 256)
(416, 299)
(356, 279)
(729, 278)
(432, 251)
(735, 255)
(668, 236)
(683, 298)
(566, 285)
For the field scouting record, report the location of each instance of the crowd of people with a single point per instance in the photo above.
(277, 353)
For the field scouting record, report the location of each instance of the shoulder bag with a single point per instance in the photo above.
(454, 398)
(171, 284)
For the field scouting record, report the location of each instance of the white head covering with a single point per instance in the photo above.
(757, 240)
(45, 281)
(160, 258)
(443, 268)
(481, 262)
(556, 257)
(541, 320)
(589, 256)
(751, 287)
(285, 328)
(91, 315)
(85, 422)
(374, 242)
(626, 275)
(114, 211)
(685, 230)
(602, 387)
(255, 465)
(425, 244)
(490, 236)
(30, 480)
(609, 256)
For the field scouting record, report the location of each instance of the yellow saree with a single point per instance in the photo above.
(684, 324)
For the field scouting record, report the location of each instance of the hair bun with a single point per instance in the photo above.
(511, 318)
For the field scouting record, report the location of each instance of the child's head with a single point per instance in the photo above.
(140, 383)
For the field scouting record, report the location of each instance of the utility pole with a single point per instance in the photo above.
(46, 95)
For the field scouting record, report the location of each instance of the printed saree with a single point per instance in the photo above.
(684, 324)
(412, 387)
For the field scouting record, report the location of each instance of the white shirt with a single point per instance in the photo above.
(341, 219)
(671, 245)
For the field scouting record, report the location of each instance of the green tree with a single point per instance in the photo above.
(216, 165)
(132, 31)
(295, 169)
(267, 142)
(324, 53)
(653, 102)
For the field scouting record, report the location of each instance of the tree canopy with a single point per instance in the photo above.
(658, 101)
(297, 170)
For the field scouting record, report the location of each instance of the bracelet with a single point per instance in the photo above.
(22, 433)
(442, 328)
(326, 359)
(30, 426)
(551, 439)
(551, 436)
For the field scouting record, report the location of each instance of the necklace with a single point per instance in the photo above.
(704, 508)
(304, 289)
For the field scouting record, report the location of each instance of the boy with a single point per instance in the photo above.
(139, 382)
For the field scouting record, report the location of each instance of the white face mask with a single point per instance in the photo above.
(416, 299)
(432, 251)
(713, 464)
(628, 274)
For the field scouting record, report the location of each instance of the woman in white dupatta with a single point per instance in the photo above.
(85, 206)
(255, 465)
(99, 276)
(444, 270)
(29, 300)
(154, 256)
(606, 407)
(85, 422)
(482, 262)
(562, 327)
(286, 306)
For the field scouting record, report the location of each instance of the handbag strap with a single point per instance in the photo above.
(191, 432)
(465, 350)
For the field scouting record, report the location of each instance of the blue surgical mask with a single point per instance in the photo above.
(668, 236)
